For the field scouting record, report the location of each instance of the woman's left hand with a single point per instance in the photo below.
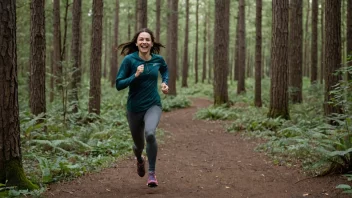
(164, 88)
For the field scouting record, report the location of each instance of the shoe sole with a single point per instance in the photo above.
(141, 175)
(152, 185)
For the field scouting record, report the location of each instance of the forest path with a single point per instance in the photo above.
(200, 159)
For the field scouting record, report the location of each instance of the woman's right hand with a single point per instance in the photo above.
(140, 70)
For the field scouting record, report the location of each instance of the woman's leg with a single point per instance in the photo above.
(151, 120)
(136, 124)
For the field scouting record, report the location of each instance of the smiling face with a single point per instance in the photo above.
(144, 42)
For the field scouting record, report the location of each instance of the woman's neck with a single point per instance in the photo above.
(145, 56)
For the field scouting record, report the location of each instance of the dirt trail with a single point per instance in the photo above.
(199, 159)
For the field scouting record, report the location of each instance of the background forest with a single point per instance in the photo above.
(278, 70)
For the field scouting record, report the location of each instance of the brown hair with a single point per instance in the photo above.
(130, 47)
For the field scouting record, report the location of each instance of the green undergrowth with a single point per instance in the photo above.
(306, 140)
(218, 113)
(196, 90)
(55, 148)
(174, 102)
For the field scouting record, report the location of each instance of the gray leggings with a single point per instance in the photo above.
(143, 125)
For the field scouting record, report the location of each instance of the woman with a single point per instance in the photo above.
(139, 71)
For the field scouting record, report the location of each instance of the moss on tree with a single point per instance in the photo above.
(15, 175)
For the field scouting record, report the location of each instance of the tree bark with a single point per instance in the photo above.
(221, 50)
(37, 60)
(242, 49)
(322, 21)
(204, 73)
(210, 47)
(306, 45)
(295, 51)
(52, 72)
(114, 57)
(79, 75)
(76, 53)
(11, 169)
(349, 35)
(57, 42)
(332, 53)
(142, 14)
(95, 60)
(258, 55)
(172, 47)
(314, 50)
(129, 32)
(196, 51)
(237, 65)
(136, 16)
(106, 44)
(63, 52)
(279, 60)
(185, 49)
(157, 28)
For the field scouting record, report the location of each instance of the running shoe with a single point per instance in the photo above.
(152, 182)
(141, 168)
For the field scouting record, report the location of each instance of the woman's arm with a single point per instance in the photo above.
(124, 76)
(164, 72)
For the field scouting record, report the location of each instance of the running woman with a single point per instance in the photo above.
(139, 71)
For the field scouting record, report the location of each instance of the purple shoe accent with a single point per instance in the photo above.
(152, 182)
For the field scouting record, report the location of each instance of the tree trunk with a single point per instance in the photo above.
(142, 14)
(85, 36)
(221, 50)
(237, 65)
(279, 60)
(204, 73)
(306, 45)
(231, 64)
(52, 72)
(157, 26)
(263, 61)
(314, 50)
(37, 60)
(95, 59)
(57, 42)
(210, 46)
(172, 47)
(349, 35)
(63, 52)
(129, 23)
(106, 44)
(185, 49)
(114, 57)
(11, 169)
(75, 45)
(81, 66)
(168, 36)
(196, 52)
(343, 34)
(248, 63)
(322, 42)
(295, 51)
(258, 55)
(242, 49)
(332, 53)
(136, 16)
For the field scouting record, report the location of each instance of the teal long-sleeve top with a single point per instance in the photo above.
(143, 90)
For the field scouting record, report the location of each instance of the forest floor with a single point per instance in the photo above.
(198, 158)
